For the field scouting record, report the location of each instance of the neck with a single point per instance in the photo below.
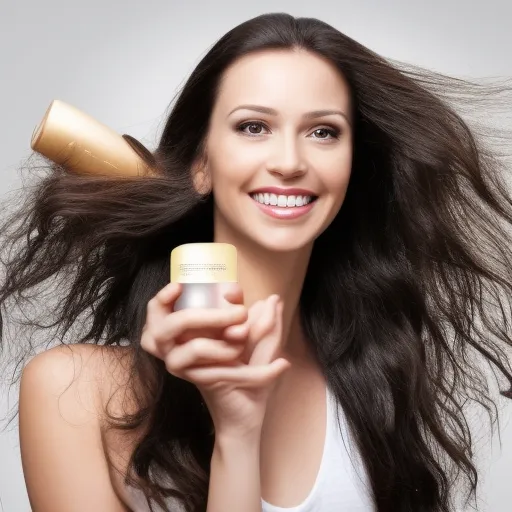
(262, 273)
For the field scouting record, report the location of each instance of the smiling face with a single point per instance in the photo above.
(279, 149)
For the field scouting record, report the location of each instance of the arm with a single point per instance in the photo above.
(235, 475)
(235, 374)
(64, 464)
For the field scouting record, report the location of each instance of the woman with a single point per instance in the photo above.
(337, 379)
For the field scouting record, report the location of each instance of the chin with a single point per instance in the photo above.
(283, 243)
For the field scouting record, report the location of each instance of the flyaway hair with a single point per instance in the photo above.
(406, 302)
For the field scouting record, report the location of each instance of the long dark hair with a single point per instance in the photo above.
(406, 295)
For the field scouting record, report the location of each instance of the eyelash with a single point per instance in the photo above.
(333, 132)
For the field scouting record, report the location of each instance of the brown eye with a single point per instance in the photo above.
(326, 133)
(257, 128)
(254, 128)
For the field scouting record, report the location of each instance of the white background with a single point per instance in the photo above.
(122, 62)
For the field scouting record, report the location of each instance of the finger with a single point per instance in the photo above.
(244, 375)
(278, 331)
(233, 293)
(236, 333)
(275, 347)
(266, 349)
(160, 345)
(164, 300)
(148, 344)
(262, 324)
(255, 311)
(169, 293)
(178, 323)
(200, 351)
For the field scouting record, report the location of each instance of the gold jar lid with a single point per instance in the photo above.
(204, 263)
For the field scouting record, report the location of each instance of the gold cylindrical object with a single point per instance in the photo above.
(81, 144)
(204, 263)
(204, 269)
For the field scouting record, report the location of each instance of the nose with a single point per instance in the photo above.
(286, 160)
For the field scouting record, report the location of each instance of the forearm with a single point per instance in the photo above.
(235, 475)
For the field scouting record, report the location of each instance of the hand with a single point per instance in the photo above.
(229, 354)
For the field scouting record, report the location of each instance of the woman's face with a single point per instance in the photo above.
(279, 149)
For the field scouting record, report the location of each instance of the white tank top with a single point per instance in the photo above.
(341, 484)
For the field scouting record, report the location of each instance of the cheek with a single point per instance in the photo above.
(337, 177)
(221, 162)
(232, 162)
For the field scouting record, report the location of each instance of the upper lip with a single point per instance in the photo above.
(279, 191)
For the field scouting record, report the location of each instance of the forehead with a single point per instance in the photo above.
(288, 80)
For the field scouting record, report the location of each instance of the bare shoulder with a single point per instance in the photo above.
(82, 377)
(63, 394)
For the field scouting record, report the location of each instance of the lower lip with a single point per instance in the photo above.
(286, 213)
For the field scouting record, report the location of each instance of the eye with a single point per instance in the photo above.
(326, 133)
(254, 128)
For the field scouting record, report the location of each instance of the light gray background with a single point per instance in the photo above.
(122, 62)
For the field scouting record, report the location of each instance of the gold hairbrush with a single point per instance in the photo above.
(83, 145)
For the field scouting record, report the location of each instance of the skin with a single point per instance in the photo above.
(264, 390)
(273, 254)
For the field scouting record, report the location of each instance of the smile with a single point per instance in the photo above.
(283, 201)
(282, 206)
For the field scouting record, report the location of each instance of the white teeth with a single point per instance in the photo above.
(281, 200)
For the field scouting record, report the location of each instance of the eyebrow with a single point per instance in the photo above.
(308, 115)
